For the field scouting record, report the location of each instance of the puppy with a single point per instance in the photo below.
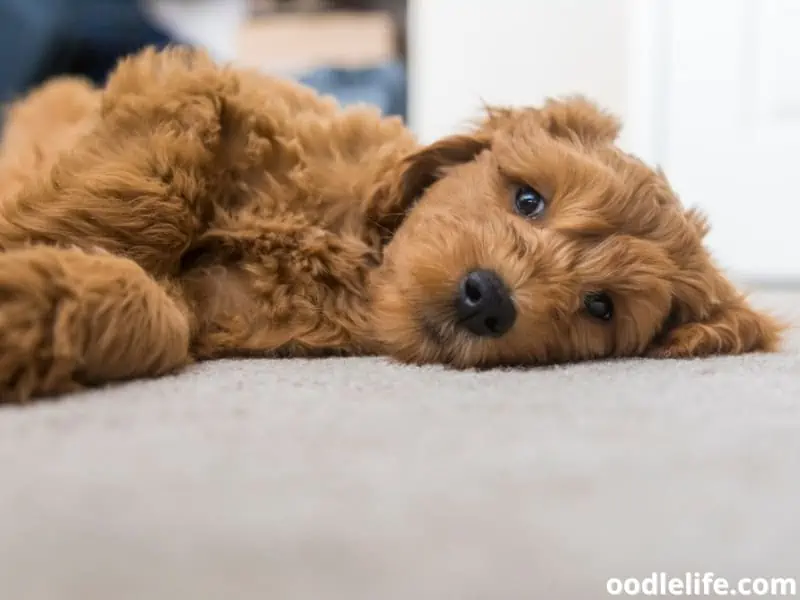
(189, 211)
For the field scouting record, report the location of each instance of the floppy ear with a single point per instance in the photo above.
(709, 316)
(732, 327)
(572, 117)
(577, 116)
(390, 201)
(425, 166)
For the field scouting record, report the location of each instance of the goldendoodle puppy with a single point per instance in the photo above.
(189, 211)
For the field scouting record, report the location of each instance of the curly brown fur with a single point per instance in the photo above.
(190, 211)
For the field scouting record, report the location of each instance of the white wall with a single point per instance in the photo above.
(512, 52)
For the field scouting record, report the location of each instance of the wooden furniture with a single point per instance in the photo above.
(295, 35)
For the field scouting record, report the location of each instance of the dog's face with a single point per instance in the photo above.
(536, 240)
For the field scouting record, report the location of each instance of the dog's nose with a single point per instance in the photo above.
(483, 304)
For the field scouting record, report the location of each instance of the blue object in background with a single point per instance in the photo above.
(40, 39)
(383, 86)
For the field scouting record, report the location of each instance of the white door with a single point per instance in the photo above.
(731, 137)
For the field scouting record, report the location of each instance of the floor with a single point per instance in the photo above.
(360, 479)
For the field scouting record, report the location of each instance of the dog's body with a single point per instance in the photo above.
(190, 211)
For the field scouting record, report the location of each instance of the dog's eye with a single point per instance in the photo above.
(528, 202)
(599, 305)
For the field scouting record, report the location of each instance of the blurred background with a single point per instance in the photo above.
(707, 89)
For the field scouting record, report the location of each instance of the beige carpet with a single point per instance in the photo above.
(363, 480)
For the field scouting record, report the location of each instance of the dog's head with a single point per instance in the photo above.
(535, 239)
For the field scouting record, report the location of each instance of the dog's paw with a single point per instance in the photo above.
(34, 360)
(70, 319)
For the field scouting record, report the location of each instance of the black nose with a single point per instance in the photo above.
(484, 305)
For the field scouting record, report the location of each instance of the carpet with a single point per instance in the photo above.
(362, 479)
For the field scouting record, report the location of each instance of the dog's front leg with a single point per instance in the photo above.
(70, 319)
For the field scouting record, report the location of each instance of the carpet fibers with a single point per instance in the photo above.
(359, 479)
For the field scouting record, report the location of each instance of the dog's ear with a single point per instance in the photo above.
(425, 166)
(709, 316)
(573, 118)
(577, 116)
(731, 327)
(389, 202)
